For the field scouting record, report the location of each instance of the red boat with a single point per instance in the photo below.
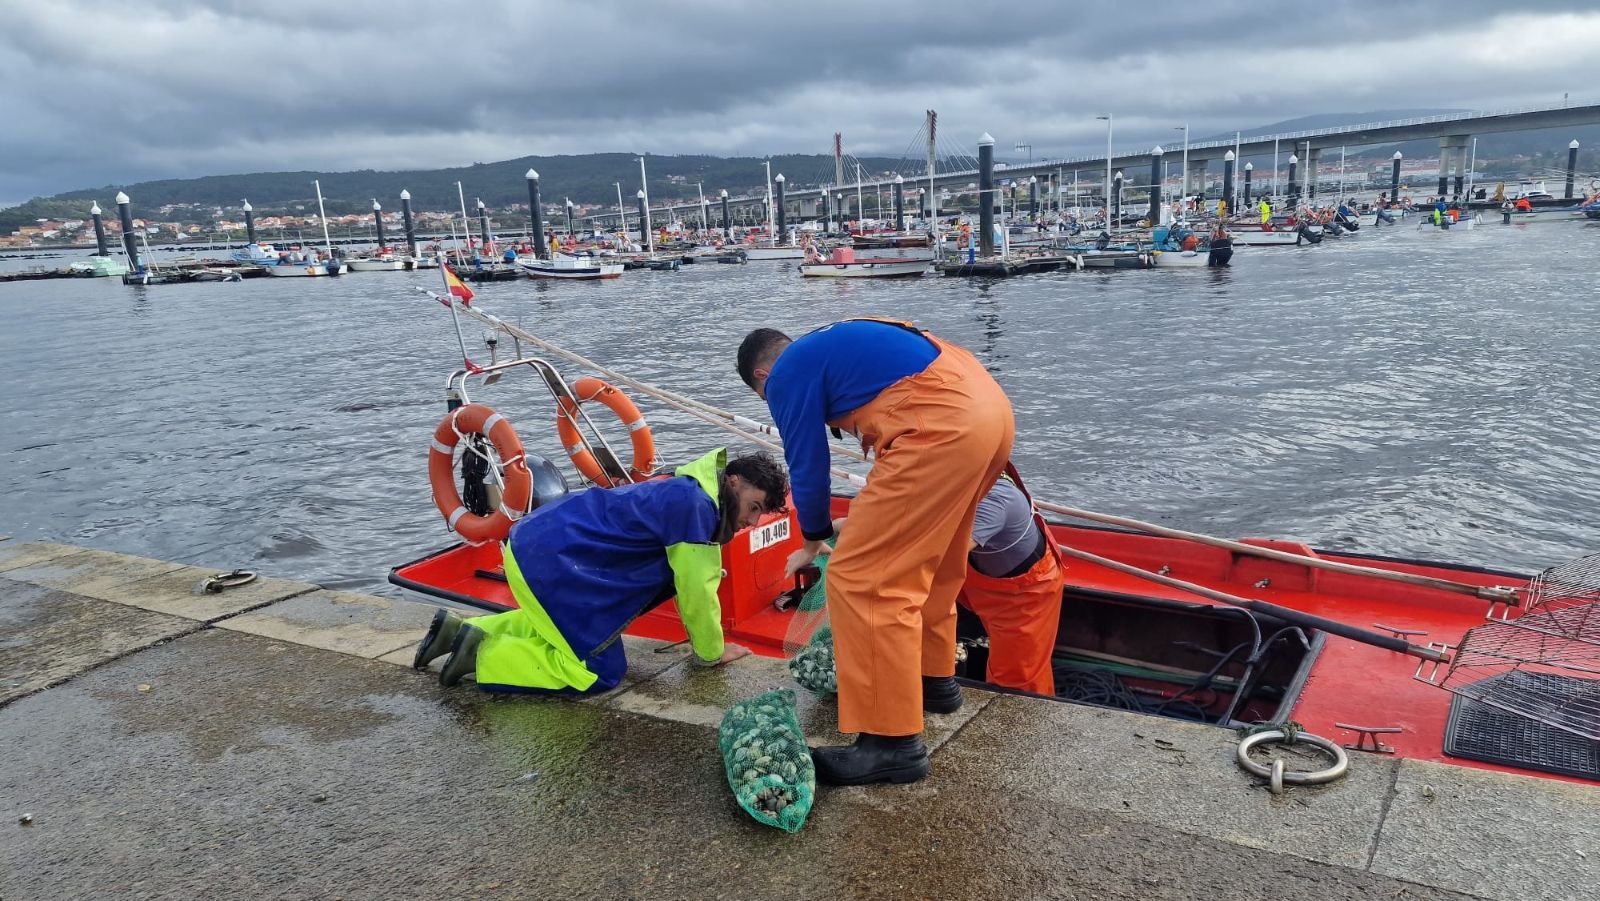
(1314, 658)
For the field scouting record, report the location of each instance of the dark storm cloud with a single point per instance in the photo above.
(171, 88)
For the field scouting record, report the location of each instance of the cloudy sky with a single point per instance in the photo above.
(102, 91)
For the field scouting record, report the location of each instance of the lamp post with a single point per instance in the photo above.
(1026, 148)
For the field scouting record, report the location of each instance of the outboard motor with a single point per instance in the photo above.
(1221, 252)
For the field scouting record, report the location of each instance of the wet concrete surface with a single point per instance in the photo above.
(264, 769)
(280, 752)
(47, 635)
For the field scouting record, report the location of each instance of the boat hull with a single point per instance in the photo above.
(545, 269)
(900, 268)
(1181, 259)
(305, 270)
(376, 265)
(1257, 238)
(773, 253)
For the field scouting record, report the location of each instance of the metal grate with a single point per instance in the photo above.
(1531, 674)
(1478, 731)
(1565, 601)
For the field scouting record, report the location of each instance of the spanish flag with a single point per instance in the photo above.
(458, 288)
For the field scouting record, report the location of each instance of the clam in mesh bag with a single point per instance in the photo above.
(808, 643)
(767, 761)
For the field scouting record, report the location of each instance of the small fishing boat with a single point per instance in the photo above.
(1187, 259)
(1463, 221)
(1170, 623)
(383, 261)
(259, 253)
(843, 263)
(773, 252)
(305, 268)
(568, 267)
(884, 240)
(1248, 236)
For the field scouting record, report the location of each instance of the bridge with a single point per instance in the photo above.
(1453, 131)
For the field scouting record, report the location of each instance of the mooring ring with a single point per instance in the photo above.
(1278, 774)
(222, 581)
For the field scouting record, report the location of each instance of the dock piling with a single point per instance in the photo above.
(1226, 203)
(1033, 198)
(130, 242)
(782, 227)
(537, 215)
(1294, 191)
(899, 203)
(644, 218)
(405, 219)
(1155, 186)
(727, 218)
(1572, 166)
(986, 194)
(249, 223)
(1394, 179)
(377, 221)
(1248, 168)
(483, 225)
(99, 231)
(1116, 200)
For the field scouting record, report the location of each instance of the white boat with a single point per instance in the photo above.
(569, 267)
(1184, 259)
(1464, 222)
(1255, 237)
(306, 269)
(1529, 217)
(260, 253)
(844, 264)
(383, 262)
(770, 252)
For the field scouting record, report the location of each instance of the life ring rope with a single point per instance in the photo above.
(512, 475)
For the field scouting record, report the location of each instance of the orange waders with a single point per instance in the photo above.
(941, 438)
(1021, 615)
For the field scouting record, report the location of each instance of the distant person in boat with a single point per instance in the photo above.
(1013, 584)
(940, 429)
(586, 566)
(1524, 205)
(1266, 211)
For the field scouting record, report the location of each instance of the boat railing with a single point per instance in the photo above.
(566, 401)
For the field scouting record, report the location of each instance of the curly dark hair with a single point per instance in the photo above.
(754, 350)
(759, 469)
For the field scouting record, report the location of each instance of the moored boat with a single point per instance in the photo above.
(773, 252)
(843, 263)
(568, 267)
(99, 267)
(286, 268)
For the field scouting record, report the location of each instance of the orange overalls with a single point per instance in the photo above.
(941, 438)
(1021, 615)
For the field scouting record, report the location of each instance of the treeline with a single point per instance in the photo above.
(586, 179)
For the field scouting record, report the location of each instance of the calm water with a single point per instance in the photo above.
(1406, 393)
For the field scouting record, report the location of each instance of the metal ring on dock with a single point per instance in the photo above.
(221, 581)
(1277, 774)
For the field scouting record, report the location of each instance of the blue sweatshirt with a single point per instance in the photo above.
(824, 375)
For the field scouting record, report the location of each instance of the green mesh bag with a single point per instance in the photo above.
(812, 666)
(767, 761)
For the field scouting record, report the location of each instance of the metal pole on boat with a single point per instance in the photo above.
(1294, 197)
(99, 232)
(539, 249)
(860, 210)
(377, 221)
(327, 242)
(1274, 168)
(1572, 164)
(899, 203)
(1107, 117)
(405, 219)
(727, 219)
(1228, 162)
(1183, 193)
(466, 224)
(1471, 165)
(249, 223)
(1341, 174)
(649, 241)
(705, 217)
(781, 214)
(449, 300)
(1394, 179)
(1155, 186)
(1248, 168)
(1233, 202)
(986, 194)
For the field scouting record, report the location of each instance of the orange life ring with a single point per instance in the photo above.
(477, 419)
(643, 464)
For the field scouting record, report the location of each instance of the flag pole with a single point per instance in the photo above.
(449, 300)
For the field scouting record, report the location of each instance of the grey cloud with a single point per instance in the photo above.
(170, 88)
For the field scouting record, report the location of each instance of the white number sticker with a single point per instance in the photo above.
(768, 535)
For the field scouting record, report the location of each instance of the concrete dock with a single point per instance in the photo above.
(270, 741)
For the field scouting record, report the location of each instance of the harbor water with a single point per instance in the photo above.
(1407, 393)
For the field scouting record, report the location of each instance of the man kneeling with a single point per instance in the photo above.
(584, 568)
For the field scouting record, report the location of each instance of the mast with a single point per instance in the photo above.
(327, 242)
(466, 224)
(860, 210)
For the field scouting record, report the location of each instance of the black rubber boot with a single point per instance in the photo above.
(463, 655)
(940, 694)
(873, 758)
(441, 635)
